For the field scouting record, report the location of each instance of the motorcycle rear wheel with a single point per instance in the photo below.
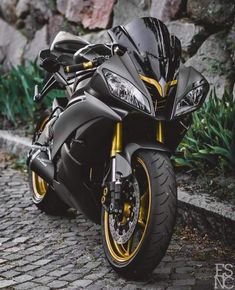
(44, 197)
(143, 251)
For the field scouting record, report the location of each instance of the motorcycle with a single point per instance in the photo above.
(105, 148)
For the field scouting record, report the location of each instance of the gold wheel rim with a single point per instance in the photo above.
(124, 252)
(39, 185)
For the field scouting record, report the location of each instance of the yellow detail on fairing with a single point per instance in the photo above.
(162, 90)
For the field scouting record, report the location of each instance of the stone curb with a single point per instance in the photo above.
(14, 144)
(212, 217)
(217, 219)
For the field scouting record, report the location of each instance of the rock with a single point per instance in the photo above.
(12, 44)
(55, 25)
(166, 10)
(41, 10)
(99, 17)
(97, 37)
(32, 15)
(125, 11)
(91, 13)
(62, 6)
(39, 42)
(214, 62)
(216, 12)
(8, 11)
(190, 35)
(22, 8)
(231, 42)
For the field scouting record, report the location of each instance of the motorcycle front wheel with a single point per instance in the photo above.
(136, 240)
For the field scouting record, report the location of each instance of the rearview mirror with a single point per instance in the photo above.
(51, 65)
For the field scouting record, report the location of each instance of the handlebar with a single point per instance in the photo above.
(84, 65)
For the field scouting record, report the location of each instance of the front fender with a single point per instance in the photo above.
(123, 160)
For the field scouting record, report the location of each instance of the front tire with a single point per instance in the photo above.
(143, 251)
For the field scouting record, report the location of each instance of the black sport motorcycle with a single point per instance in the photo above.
(105, 149)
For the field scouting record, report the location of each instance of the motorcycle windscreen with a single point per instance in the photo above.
(155, 53)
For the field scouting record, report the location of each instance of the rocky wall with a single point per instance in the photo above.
(206, 29)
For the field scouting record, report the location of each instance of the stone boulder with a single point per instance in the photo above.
(190, 35)
(214, 62)
(231, 42)
(166, 10)
(12, 44)
(38, 43)
(22, 8)
(216, 12)
(56, 24)
(124, 11)
(40, 9)
(97, 37)
(8, 10)
(91, 13)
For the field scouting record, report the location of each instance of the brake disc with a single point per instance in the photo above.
(121, 232)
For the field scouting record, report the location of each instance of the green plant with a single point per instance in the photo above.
(210, 143)
(16, 91)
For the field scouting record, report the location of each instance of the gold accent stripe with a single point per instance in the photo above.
(162, 91)
(152, 82)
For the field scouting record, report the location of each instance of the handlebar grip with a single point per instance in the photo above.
(77, 67)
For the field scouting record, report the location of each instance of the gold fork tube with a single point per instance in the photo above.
(117, 140)
(159, 132)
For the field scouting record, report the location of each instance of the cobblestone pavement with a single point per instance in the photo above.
(43, 252)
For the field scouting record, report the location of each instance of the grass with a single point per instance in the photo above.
(210, 143)
(16, 91)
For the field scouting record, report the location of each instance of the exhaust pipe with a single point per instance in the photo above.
(42, 165)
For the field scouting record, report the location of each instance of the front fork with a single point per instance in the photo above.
(115, 185)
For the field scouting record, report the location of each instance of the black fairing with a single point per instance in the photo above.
(154, 51)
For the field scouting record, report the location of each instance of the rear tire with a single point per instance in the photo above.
(156, 218)
(44, 197)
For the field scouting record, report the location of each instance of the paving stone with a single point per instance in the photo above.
(58, 273)
(166, 270)
(20, 240)
(25, 286)
(23, 278)
(57, 284)
(81, 283)
(70, 277)
(42, 262)
(184, 282)
(44, 280)
(184, 270)
(41, 288)
(6, 283)
(10, 274)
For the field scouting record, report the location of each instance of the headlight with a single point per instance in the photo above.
(190, 101)
(123, 89)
